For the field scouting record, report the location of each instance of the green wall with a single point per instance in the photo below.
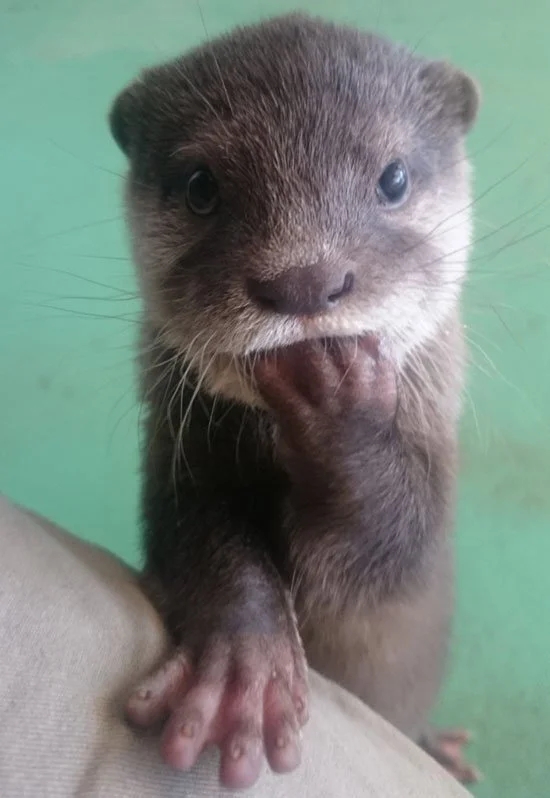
(68, 311)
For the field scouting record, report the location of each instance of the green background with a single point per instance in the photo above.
(68, 312)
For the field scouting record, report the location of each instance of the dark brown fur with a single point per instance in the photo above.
(298, 466)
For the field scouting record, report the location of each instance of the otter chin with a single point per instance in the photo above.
(298, 201)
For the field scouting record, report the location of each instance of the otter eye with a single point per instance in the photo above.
(201, 193)
(393, 184)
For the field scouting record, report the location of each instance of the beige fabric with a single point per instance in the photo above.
(76, 632)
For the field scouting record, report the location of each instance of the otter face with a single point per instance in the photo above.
(296, 180)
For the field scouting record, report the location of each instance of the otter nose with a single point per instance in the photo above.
(304, 291)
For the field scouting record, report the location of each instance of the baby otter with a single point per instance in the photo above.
(298, 198)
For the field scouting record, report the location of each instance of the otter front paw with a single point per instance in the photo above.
(247, 695)
(332, 375)
(330, 399)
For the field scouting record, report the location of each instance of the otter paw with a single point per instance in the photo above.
(328, 377)
(248, 696)
(447, 748)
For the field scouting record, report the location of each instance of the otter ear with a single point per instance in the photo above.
(123, 117)
(453, 95)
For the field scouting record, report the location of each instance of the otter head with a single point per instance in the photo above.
(293, 180)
